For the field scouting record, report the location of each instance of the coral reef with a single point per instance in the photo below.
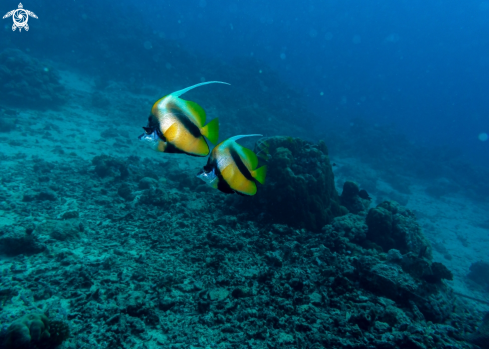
(393, 226)
(299, 189)
(28, 82)
(171, 268)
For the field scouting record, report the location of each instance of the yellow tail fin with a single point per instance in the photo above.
(211, 131)
(259, 174)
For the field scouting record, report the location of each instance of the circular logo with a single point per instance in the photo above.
(20, 17)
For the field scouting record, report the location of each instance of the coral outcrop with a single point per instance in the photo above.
(15, 240)
(299, 189)
(392, 226)
(172, 269)
(34, 331)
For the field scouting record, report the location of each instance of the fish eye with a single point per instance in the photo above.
(148, 130)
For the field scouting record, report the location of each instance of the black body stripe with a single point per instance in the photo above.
(241, 166)
(186, 122)
(223, 186)
(170, 148)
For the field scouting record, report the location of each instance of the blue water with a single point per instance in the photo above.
(421, 66)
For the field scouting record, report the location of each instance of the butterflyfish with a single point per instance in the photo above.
(232, 168)
(178, 126)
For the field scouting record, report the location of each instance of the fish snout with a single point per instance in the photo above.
(209, 177)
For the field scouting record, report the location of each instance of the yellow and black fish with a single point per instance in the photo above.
(178, 126)
(232, 168)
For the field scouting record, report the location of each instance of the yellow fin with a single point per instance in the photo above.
(260, 174)
(211, 131)
(195, 146)
(197, 112)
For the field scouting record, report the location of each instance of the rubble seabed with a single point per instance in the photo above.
(128, 258)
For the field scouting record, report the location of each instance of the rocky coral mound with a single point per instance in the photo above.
(392, 226)
(165, 267)
(299, 189)
(25, 81)
(34, 331)
(350, 198)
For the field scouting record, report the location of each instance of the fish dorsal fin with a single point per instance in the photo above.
(248, 155)
(181, 92)
(235, 138)
(196, 111)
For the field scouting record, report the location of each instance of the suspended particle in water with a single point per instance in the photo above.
(483, 137)
(357, 39)
(282, 56)
(202, 3)
(313, 33)
(148, 45)
(328, 36)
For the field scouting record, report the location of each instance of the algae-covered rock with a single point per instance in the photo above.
(393, 226)
(15, 240)
(34, 331)
(299, 190)
(435, 301)
(353, 227)
(27, 331)
(109, 166)
(351, 199)
(62, 229)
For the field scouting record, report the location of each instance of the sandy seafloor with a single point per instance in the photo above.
(451, 223)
